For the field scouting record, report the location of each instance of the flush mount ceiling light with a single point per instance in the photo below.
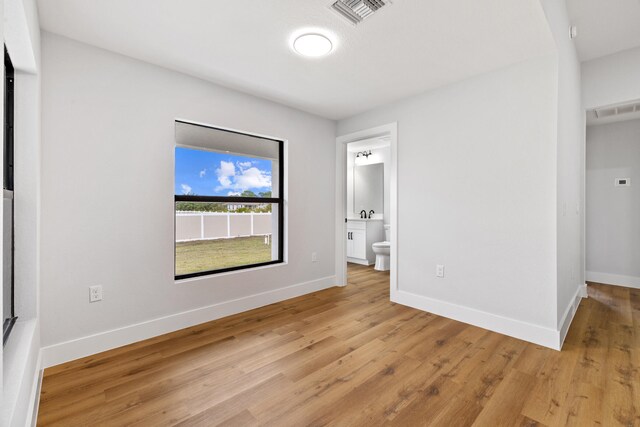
(312, 45)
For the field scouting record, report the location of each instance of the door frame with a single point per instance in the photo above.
(389, 130)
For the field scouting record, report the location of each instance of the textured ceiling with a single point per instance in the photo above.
(605, 26)
(406, 48)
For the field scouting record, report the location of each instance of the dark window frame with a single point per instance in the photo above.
(8, 160)
(279, 201)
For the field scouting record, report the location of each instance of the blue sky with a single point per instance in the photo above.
(208, 173)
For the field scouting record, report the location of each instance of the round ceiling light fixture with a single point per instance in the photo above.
(312, 45)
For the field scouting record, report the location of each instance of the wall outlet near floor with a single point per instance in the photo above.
(314, 257)
(439, 270)
(95, 293)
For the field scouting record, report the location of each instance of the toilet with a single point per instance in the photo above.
(383, 251)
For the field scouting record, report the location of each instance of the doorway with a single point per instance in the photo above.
(366, 200)
(612, 195)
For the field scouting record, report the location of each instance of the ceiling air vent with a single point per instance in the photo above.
(356, 11)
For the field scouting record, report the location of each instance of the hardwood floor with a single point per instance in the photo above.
(349, 357)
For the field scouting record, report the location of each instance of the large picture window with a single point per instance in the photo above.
(228, 200)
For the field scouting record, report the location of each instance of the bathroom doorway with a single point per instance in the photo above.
(366, 214)
(612, 195)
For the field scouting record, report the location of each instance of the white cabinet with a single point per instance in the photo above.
(361, 235)
(349, 244)
(358, 244)
(359, 239)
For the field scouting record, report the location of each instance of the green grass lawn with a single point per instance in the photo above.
(205, 255)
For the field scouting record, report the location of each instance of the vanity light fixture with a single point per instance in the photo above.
(365, 154)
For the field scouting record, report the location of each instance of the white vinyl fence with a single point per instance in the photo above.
(221, 225)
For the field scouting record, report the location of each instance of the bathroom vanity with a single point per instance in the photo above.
(361, 235)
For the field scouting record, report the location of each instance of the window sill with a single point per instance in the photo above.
(211, 275)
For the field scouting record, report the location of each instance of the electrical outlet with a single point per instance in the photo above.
(314, 257)
(439, 270)
(95, 293)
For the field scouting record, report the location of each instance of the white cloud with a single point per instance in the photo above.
(225, 172)
(244, 165)
(186, 189)
(203, 172)
(241, 179)
(233, 193)
(252, 178)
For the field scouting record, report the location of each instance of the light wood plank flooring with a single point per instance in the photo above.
(349, 357)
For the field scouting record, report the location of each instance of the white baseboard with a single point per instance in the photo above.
(570, 312)
(583, 291)
(537, 334)
(613, 279)
(107, 340)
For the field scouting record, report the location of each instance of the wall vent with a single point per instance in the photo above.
(356, 11)
(633, 107)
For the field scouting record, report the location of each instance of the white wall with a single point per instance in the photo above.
(570, 165)
(108, 141)
(477, 193)
(378, 155)
(611, 79)
(613, 219)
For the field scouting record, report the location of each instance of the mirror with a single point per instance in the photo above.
(368, 188)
